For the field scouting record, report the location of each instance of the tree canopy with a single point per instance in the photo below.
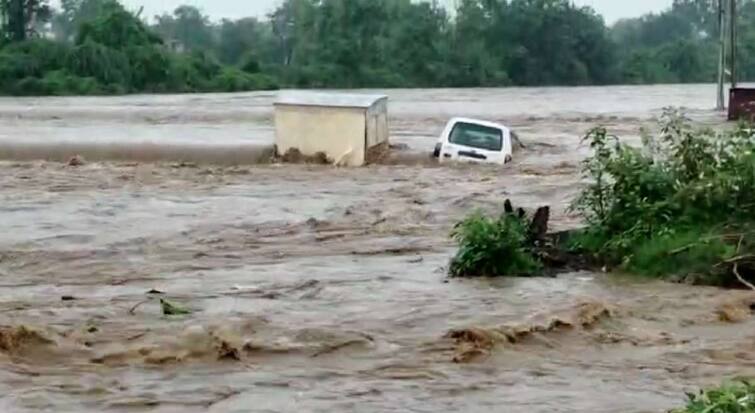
(359, 43)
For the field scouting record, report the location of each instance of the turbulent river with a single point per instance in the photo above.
(319, 289)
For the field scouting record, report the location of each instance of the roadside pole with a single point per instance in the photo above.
(721, 54)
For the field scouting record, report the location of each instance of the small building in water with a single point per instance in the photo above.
(348, 129)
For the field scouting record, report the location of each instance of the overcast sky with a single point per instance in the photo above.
(611, 9)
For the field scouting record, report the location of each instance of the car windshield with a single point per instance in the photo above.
(477, 136)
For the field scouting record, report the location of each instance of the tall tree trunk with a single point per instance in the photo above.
(17, 20)
(14, 19)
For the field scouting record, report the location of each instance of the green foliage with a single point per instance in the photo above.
(22, 19)
(736, 397)
(115, 52)
(108, 66)
(673, 198)
(116, 28)
(42, 67)
(380, 43)
(250, 64)
(56, 83)
(695, 252)
(30, 58)
(73, 13)
(234, 80)
(681, 43)
(187, 26)
(170, 308)
(492, 247)
(387, 43)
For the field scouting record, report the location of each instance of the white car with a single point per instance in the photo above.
(471, 140)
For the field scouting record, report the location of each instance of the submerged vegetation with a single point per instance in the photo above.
(736, 397)
(680, 206)
(97, 46)
(493, 247)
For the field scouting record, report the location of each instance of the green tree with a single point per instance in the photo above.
(20, 17)
(188, 26)
(73, 13)
(247, 40)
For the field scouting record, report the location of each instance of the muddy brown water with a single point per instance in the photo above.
(316, 289)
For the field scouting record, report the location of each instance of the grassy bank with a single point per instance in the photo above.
(737, 397)
(681, 206)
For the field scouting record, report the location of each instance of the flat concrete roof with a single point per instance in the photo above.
(327, 99)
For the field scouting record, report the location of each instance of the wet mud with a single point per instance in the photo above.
(315, 288)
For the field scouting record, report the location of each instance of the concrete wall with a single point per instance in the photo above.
(377, 124)
(338, 132)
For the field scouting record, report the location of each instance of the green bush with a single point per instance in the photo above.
(666, 208)
(150, 68)
(250, 64)
(29, 86)
(492, 247)
(108, 66)
(738, 397)
(235, 80)
(116, 28)
(57, 83)
(29, 59)
(37, 55)
(116, 53)
(63, 83)
(692, 252)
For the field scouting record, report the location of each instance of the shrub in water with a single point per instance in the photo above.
(729, 398)
(681, 203)
(492, 247)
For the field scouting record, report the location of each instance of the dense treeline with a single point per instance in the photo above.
(101, 48)
(96, 46)
(399, 43)
(681, 44)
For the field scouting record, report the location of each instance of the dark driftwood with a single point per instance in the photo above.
(554, 252)
(550, 248)
(539, 225)
(507, 207)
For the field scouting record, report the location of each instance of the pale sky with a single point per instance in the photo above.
(612, 10)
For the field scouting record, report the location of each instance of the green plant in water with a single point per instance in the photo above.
(170, 308)
(492, 247)
(679, 204)
(737, 397)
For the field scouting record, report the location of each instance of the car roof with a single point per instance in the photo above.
(479, 122)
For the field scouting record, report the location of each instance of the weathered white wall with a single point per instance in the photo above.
(377, 124)
(338, 132)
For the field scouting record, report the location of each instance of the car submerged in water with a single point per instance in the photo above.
(472, 140)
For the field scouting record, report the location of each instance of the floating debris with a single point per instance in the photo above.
(76, 160)
(172, 308)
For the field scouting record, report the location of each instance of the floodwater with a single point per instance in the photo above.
(318, 289)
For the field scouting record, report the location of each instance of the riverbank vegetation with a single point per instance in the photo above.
(679, 206)
(111, 52)
(97, 46)
(735, 397)
(493, 246)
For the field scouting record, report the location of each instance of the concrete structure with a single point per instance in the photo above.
(742, 104)
(349, 129)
